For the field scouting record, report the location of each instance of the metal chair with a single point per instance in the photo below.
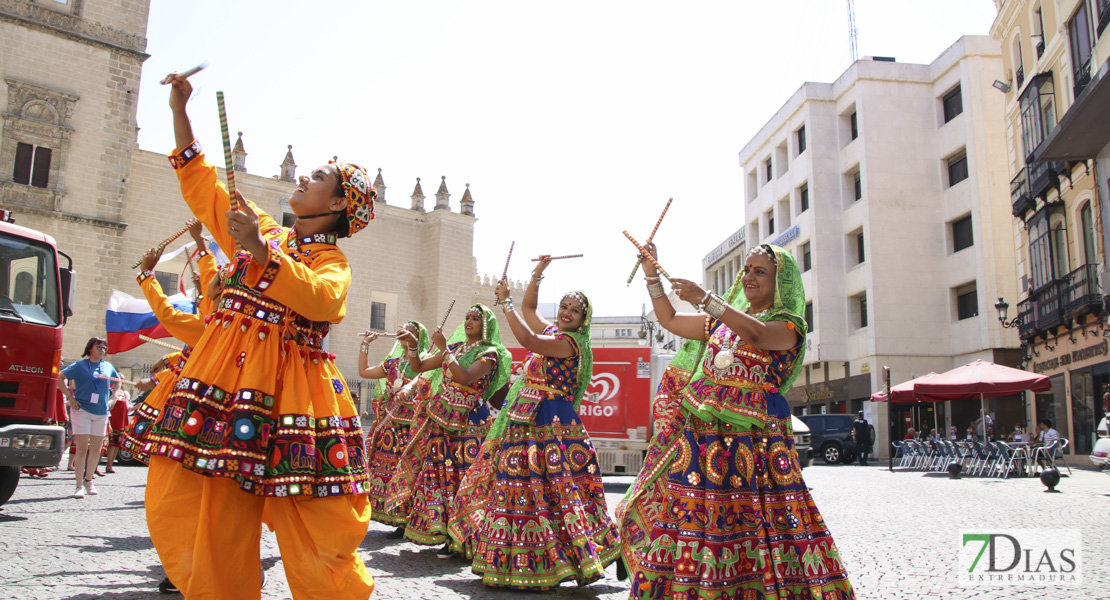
(1007, 456)
(1052, 452)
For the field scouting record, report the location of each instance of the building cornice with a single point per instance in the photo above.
(73, 28)
(20, 208)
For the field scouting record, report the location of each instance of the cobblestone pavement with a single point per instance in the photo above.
(897, 534)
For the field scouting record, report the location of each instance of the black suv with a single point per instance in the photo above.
(831, 437)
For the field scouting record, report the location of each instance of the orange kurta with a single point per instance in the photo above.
(260, 406)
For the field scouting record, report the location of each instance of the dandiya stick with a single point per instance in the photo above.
(187, 74)
(158, 342)
(444, 321)
(116, 379)
(380, 334)
(229, 165)
(640, 260)
(561, 257)
(167, 241)
(644, 252)
(505, 273)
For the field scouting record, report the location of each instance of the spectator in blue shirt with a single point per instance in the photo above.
(89, 389)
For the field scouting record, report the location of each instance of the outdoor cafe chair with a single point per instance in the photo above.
(1007, 456)
(943, 457)
(1052, 452)
(981, 458)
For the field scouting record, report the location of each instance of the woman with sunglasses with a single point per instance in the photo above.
(88, 388)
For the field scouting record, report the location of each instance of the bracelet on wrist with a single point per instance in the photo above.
(715, 306)
(507, 304)
(536, 278)
(655, 290)
(650, 279)
(364, 348)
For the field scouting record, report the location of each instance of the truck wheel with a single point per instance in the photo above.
(831, 454)
(9, 478)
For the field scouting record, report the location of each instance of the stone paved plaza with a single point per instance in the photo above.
(897, 534)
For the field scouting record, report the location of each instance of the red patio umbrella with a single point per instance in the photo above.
(981, 379)
(905, 392)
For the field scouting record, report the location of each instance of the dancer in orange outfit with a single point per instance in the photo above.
(261, 417)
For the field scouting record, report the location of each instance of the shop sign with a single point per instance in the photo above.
(1075, 356)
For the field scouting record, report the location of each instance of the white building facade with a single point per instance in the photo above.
(890, 186)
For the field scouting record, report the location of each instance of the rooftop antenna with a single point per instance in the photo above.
(852, 34)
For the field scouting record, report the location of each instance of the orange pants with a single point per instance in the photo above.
(207, 532)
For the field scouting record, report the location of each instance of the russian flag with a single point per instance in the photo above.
(128, 318)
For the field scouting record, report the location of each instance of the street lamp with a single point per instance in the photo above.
(1002, 307)
(648, 327)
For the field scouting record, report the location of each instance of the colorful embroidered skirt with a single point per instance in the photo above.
(534, 505)
(387, 441)
(445, 459)
(723, 513)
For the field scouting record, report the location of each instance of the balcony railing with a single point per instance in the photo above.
(1082, 76)
(1020, 197)
(1020, 76)
(1040, 45)
(1044, 176)
(1048, 305)
(1082, 293)
(1028, 327)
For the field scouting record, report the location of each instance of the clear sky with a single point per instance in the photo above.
(571, 121)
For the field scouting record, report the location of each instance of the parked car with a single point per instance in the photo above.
(1100, 456)
(801, 440)
(831, 437)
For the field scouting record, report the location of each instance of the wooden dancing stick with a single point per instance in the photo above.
(167, 241)
(650, 238)
(644, 252)
(444, 321)
(380, 334)
(158, 342)
(561, 257)
(505, 273)
(116, 379)
(189, 73)
(229, 165)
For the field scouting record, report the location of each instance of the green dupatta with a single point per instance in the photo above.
(491, 342)
(789, 305)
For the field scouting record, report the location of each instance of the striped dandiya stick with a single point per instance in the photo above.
(167, 241)
(380, 334)
(561, 257)
(158, 342)
(640, 260)
(444, 321)
(229, 165)
(644, 252)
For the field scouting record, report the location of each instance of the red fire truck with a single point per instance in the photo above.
(617, 407)
(34, 303)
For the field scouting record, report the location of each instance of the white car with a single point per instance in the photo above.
(801, 440)
(1100, 456)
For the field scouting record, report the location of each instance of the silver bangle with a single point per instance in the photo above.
(715, 306)
(507, 304)
(536, 278)
(655, 290)
(412, 351)
(651, 279)
(364, 348)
